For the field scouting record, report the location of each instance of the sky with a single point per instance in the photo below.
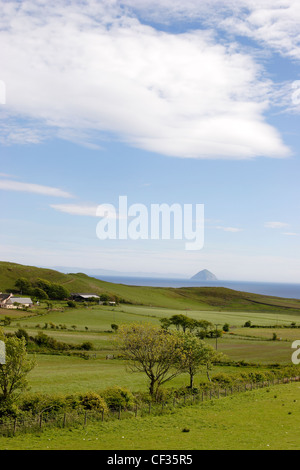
(164, 102)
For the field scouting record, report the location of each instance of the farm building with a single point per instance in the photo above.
(4, 298)
(9, 301)
(83, 297)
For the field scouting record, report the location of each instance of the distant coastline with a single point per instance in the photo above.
(276, 289)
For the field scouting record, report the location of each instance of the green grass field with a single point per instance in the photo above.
(239, 422)
(266, 419)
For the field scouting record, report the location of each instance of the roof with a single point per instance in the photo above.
(4, 297)
(86, 296)
(21, 300)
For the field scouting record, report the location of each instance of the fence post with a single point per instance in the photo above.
(65, 420)
(85, 418)
(136, 410)
(41, 420)
(15, 425)
(102, 415)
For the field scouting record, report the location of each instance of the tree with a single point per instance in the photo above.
(196, 354)
(23, 285)
(204, 328)
(179, 321)
(39, 293)
(13, 373)
(151, 350)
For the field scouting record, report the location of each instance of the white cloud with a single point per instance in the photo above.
(230, 229)
(80, 71)
(76, 209)
(291, 234)
(84, 210)
(274, 23)
(276, 224)
(10, 185)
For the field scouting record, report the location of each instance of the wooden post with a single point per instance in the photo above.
(41, 420)
(15, 425)
(85, 418)
(136, 410)
(65, 420)
(102, 415)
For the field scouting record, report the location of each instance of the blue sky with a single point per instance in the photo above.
(163, 103)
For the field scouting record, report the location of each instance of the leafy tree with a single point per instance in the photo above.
(23, 285)
(39, 293)
(13, 374)
(151, 350)
(179, 321)
(226, 327)
(196, 354)
(114, 327)
(204, 328)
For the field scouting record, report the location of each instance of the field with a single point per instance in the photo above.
(215, 425)
(67, 374)
(266, 419)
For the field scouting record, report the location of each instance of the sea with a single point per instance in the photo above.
(286, 290)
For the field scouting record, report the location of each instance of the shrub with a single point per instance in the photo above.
(36, 403)
(118, 397)
(93, 401)
(222, 379)
(86, 346)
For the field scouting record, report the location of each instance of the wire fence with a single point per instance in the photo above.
(82, 418)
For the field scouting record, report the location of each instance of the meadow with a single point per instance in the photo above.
(66, 374)
(264, 419)
(244, 421)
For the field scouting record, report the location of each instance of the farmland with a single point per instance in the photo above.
(265, 345)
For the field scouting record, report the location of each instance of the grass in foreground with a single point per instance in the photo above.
(266, 419)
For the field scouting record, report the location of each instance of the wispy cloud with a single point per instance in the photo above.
(290, 234)
(100, 70)
(85, 210)
(276, 224)
(10, 185)
(230, 229)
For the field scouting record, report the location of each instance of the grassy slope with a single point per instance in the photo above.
(196, 298)
(266, 419)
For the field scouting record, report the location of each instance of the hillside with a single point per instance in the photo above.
(187, 298)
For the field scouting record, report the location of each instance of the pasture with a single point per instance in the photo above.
(265, 419)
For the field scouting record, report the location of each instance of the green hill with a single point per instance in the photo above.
(187, 298)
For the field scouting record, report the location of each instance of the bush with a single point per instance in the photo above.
(86, 346)
(93, 401)
(222, 379)
(35, 403)
(118, 397)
